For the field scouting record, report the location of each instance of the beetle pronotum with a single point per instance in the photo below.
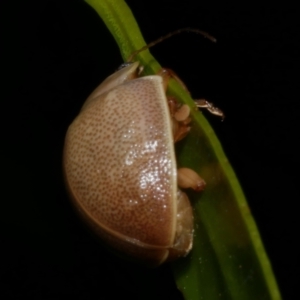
(120, 167)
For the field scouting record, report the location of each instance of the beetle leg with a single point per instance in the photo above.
(202, 103)
(180, 119)
(166, 74)
(187, 178)
(173, 105)
(184, 227)
(181, 132)
(182, 113)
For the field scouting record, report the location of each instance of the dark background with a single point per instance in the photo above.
(53, 53)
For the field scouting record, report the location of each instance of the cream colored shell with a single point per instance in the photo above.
(120, 165)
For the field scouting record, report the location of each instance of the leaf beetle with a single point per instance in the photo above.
(120, 166)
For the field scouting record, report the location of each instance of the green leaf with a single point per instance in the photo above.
(228, 260)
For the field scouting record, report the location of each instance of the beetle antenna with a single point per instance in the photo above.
(198, 31)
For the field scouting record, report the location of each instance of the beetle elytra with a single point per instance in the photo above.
(120, 166)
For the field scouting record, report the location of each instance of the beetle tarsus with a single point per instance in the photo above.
(203, 103)
(187, 178)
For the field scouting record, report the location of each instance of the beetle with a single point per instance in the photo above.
(120, 166)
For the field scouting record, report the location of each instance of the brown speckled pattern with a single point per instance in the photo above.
(120, 163)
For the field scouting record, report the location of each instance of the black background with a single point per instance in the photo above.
(53, 53)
